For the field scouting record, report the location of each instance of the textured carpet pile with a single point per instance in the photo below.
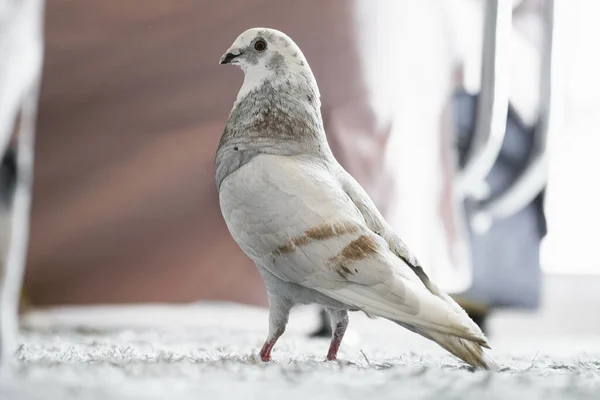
(209, 352)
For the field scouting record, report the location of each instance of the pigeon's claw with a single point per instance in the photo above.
(265, 357)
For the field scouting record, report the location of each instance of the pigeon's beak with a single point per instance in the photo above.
(229, 56)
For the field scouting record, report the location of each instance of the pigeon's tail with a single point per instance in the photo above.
(470, 352)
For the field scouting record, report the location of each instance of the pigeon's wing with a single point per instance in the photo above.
(294, 218)
(377, 224)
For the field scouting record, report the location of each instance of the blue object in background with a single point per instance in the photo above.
(506, 258)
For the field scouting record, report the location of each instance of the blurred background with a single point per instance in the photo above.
(473, 125)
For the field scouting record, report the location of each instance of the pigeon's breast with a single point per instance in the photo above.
(272, 199)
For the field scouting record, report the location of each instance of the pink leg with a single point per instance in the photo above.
(339, 319)
(265, 352)
(279, 311)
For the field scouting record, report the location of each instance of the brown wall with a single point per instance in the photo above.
(132, 106)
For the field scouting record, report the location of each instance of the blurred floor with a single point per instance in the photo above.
(207, 350)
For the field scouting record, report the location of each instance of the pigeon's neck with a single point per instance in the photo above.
(279, 117)
(277, 112)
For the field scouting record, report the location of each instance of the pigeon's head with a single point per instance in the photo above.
(264, 52)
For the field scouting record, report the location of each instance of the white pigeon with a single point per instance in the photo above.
(313, 232)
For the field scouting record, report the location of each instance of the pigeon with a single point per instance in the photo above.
(313, 232)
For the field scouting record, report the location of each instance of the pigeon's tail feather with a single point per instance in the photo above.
(470, 352)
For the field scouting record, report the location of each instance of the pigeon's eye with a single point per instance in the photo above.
(260, 45)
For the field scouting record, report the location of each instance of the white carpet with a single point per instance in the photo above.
(208, 352)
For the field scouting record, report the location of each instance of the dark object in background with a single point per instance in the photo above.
(324, 330)
(505, 259)
(8, 179)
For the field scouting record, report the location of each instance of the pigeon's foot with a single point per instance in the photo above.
(265, 352)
